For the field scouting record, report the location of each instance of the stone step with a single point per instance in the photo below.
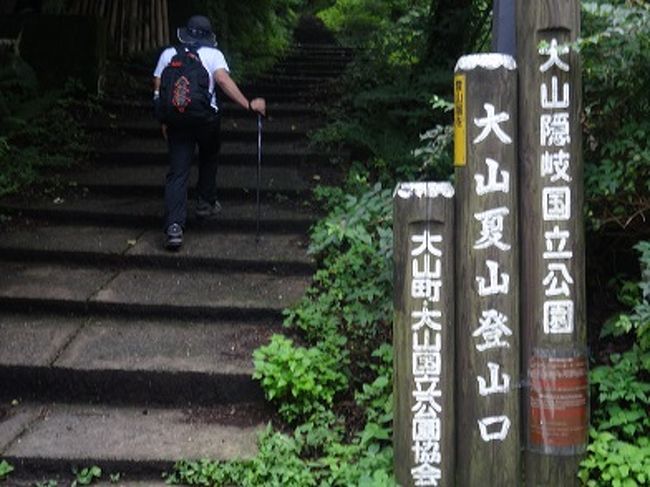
(120, 144)
(230, 131)
(144, 212)
(316, 94)
(228, 109)
(120, 150)
(309, 56)
(272, 94)
(240, 125)
(317, 57)
(310, 46)
(133, 361)
(297, 160)
(303, 51)
(326, 73)
(147, 292)
(129, 357)
(315, 65)
(233, 182)
(128, 247)
(41, 437)
(287, 78)
(283, 83)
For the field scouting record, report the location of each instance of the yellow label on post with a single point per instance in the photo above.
(460, 125)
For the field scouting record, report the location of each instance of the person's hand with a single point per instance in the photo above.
(163, 129)
(258, 105)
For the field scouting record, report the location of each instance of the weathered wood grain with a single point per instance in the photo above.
(486, 300)
(414, 215)
(541, 21)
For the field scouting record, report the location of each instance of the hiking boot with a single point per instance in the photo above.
(207, 211)
(174, 234)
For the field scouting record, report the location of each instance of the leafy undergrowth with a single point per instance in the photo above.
(619, 451)
(41, 131)
(617, 109)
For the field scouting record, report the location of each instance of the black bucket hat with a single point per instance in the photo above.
(197, 31)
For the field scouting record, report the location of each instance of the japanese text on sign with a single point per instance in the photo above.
(426, 327)
(493, 331)
(556, 205)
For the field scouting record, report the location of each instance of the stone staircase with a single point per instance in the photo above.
(114, 352)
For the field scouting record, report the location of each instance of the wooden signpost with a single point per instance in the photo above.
(520, 312)
(552, 241)
(487, 271)
(423, 334)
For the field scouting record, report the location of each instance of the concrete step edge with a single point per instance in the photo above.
(217, 313)
(81, 217)
(30, 469)
(126, 261)
(133, 387)
(225, 194)
(146, 441)
(227, 108)
(110, 157)
(153, 130)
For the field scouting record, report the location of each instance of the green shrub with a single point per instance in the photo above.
(351, 291)
(355, 21)
(376, 397)
(41, 130)
(619, 451)
(289, 460)
(50, 140)
(301, 380)
(617, 112)
(17, 83)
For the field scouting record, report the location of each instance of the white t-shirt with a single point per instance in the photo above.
(210, 57)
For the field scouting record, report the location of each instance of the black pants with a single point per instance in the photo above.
(182, 142)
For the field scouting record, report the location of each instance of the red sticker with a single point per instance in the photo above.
(559, 395)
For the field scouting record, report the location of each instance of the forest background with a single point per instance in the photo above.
(332, 383)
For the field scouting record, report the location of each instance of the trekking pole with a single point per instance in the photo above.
(259, 174)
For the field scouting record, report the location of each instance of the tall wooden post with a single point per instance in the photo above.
(487, 271)
(552, 235)
(423, 334)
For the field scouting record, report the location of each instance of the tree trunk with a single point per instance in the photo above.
(132, 26)
(165, 23)
(148, 24)
(101, 11)
(113, 23)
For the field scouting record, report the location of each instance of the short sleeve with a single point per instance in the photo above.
(214, 60)
(164, 59)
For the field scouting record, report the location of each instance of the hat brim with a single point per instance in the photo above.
(186, 38)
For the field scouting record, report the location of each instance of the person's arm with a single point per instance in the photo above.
(230, 88)
(156, 93)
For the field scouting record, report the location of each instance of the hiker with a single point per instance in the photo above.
(175, 103)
